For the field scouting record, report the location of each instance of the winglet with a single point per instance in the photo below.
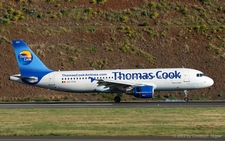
(92, 79)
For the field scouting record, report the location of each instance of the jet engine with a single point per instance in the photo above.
(143, 91)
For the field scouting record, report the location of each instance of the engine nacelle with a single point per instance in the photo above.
(143, 91)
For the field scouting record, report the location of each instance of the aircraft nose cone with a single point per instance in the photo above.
(210, 82)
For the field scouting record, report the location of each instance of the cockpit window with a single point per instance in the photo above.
(200, 74)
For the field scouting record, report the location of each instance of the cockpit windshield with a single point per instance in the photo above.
(200, 74)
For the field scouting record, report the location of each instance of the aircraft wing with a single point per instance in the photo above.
(121, 85)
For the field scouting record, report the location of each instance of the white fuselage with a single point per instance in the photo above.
(161, 79)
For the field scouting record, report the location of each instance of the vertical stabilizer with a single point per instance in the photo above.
(29, 64)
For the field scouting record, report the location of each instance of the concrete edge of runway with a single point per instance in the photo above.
(73, 102)
(112, 105)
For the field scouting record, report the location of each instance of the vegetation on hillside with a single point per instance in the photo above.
(107, 34)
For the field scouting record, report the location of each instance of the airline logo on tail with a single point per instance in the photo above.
(25, 57)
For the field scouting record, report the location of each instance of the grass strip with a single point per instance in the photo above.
(112, 122)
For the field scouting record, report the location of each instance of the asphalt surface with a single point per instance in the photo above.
(113, 105)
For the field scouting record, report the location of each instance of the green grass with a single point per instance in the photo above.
(112, 122)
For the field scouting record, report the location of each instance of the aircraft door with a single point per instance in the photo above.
(51, 79)
(186, 76)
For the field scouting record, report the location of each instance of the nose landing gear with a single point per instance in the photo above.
(186, 96)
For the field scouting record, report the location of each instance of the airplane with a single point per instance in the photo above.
(141, 83)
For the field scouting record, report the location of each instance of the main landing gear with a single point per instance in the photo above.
(186, 96)
(117, 98)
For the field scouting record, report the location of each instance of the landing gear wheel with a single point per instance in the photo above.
(186, 99)
(186, 96)
(117, 99)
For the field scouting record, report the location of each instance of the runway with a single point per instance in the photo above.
(112, 105)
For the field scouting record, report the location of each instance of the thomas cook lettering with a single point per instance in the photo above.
(146, 75)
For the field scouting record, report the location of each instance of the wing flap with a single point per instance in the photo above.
(120, 85)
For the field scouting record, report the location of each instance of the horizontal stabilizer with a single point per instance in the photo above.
(18, 77)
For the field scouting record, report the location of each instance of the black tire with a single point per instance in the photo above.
(186, 99)
(117, 99)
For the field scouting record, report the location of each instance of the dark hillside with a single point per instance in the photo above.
(112, 34)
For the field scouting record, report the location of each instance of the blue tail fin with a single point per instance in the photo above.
(29, 64)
